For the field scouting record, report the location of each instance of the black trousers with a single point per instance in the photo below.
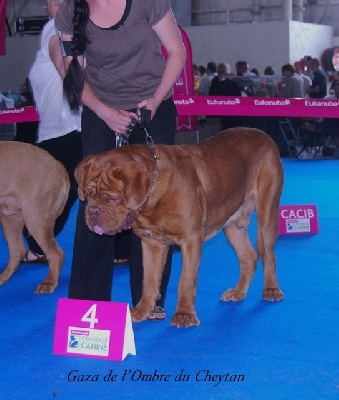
(92, 266)
(68, 150)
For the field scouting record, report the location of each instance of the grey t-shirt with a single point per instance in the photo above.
(124, 64)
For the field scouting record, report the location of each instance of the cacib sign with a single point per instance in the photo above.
(298, 219)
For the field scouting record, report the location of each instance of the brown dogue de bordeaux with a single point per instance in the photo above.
(185, 194)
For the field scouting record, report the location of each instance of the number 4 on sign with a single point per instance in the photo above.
(105, 324)
(90, 316)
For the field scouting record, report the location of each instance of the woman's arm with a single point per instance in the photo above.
(55, 54)
(117, 120)
(168, 33)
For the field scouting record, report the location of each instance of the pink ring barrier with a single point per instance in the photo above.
(217, 105)
(20, 114)
(256, 106)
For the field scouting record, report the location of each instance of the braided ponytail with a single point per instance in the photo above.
(74, 80)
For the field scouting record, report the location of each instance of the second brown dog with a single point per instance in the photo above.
(34, 188)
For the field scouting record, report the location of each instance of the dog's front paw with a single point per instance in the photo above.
(5, 276)
(139, 314)
(233, 295)
(185, 320)
(3, 279)
(272, 294)
(45, 288)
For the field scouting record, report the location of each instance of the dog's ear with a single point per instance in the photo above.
(136, 183)
(80, 174)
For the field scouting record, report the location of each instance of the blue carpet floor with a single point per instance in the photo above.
(286, 350)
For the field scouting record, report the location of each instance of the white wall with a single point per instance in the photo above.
(260, 44)
(309, 39)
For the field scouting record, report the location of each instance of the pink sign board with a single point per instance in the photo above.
(94, 329)
(185, 85)
(298, 219)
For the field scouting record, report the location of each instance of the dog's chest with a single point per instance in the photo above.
(154, 232)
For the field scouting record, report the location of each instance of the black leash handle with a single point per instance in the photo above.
(144, 121)
(145, 117)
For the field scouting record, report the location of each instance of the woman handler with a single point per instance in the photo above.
(124, 72)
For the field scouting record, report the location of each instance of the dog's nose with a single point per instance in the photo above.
(94, 212)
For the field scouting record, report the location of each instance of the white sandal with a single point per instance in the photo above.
(158, 313)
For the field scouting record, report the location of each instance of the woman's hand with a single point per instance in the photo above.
(151, 104)
(117, 120)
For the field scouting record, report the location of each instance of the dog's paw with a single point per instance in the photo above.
(4, 277)
(3, 281)
(185, 320)
(139, 314)
(233, 295)
(45, 288)
(272, 294)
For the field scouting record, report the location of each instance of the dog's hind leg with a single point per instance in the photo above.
(43, 233)
(267, 221)
(247, 256)
(12, 226)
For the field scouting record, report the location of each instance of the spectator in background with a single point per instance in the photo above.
(228, 69)
(269, 70)
(59, 126)
(292, 86)
(222, 86)
(307, 81)
(255, 71)
(307, 60)
(220, 77)
(249, 82)
(318, 88)
(270, 82)
(205, 84)
(242, 69)
(202, 71)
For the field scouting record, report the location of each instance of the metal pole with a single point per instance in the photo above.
(287, 4)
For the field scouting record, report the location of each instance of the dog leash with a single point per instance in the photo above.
(144, 119)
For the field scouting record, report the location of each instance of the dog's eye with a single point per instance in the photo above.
(114, 200)
(88, 192)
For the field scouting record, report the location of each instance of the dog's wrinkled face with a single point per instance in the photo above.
(114, 188)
